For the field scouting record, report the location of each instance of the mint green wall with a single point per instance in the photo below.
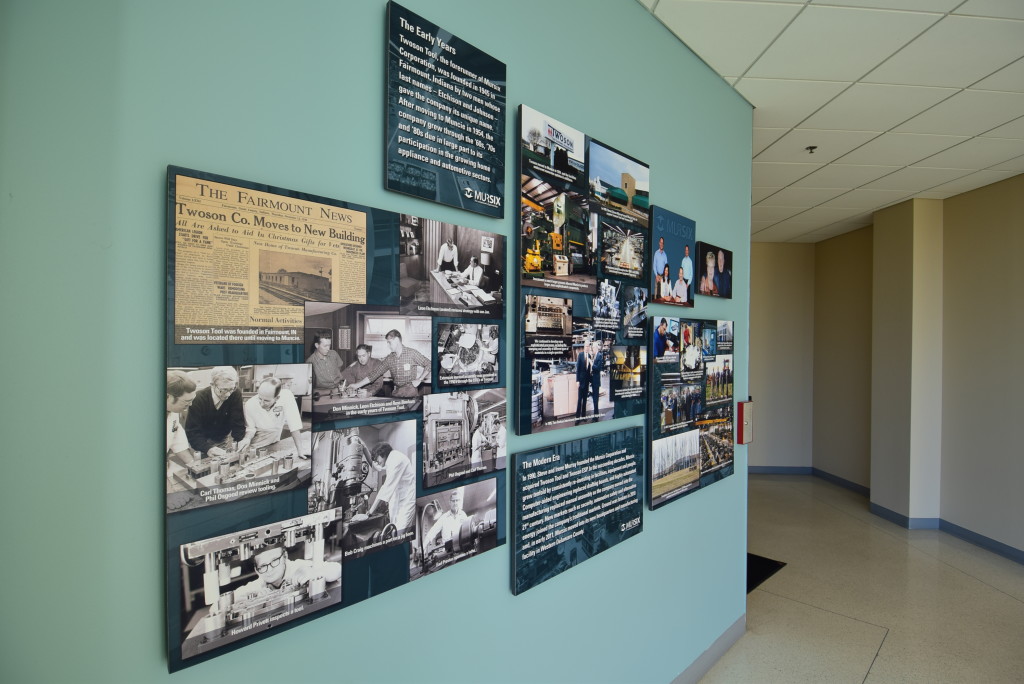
(95, 100)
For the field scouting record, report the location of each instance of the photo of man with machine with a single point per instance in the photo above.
(381, 361)
(446, 269)
(558, 241)
(463, 435)
(454, 525)
(250, 581)
(235, 432)
(369, 474)
(467, 354)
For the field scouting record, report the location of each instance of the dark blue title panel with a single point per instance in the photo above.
(572, 501)
(445, 117)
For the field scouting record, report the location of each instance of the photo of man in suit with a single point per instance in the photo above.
(589, 364)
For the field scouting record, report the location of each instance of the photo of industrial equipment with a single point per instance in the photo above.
(235, 432)
(454, 525)
(622, 250)
(239, 584)
(369, 474)
(463, 435)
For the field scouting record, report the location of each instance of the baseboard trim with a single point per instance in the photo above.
(904, 521)
(779, 470)
(842, 482)
(706, 660)
(987, 543)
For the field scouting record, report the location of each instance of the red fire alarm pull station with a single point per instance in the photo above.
(745, 421)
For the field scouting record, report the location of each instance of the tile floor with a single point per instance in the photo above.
(864, 601)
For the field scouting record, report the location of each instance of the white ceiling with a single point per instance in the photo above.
(901, 98)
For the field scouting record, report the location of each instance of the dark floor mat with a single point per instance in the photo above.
(759, 569)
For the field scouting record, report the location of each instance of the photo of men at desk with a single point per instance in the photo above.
(467, 354)
(246, 582)
(366, 360)
(445, 268)
(369, 473)
(454, 525)
(235, 432)
(463, 435)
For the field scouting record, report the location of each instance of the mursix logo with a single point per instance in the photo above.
(482, 197)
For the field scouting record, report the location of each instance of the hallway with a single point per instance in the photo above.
(864, 601)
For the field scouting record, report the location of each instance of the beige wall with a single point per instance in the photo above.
(841, 440)
(781, 353)
(983, 364)
(891, 334)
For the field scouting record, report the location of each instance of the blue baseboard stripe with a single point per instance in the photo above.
(842, 482)
(1005, 550)
(779, 470)
(904, 521)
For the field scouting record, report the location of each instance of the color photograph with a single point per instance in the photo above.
(673, 267)
(714, 271)
(619, 185)
(675, 466)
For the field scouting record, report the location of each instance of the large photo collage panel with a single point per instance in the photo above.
(335, 405)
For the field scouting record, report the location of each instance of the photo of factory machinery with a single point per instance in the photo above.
(250, 581)
(463, 435)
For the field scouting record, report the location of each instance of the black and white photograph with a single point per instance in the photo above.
(718, 376)
(619, 185)
(250, 581)
(454, 525)
(235, 432)
(467, 354)
(622, 250)
(633, 307)
(445, 269)
(367, 360)
(369, 474)
(673, 267)
(607, 309)
(463, 435)
(714, 271)
(675, 466)
(288, 278)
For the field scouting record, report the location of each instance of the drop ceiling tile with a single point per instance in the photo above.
(763, 137)
(956, 52)
(1014, 129)
(900, 149)
(783, 103)
(731, 80)
(967, 113)
(836, 229)
(1016, 165)
(774, 214)
(862, 198)
(768, 174)
(831, 145)
(758, 194)
(760, 225)
(976, 153)
(727, 35)
(781, 233)
(910, 5)
(648, 3)
(801, 197)
(915, 179)
(823, 216)
(1010, 79)
(875, 107)
(970, 182)
(844, 176)
(1004, 9)
(814, 47)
